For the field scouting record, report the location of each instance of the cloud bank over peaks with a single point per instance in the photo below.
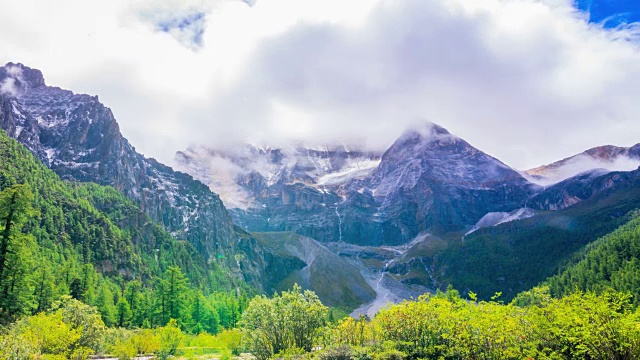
(527, 81)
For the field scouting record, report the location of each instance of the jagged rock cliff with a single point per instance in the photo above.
(79, 138)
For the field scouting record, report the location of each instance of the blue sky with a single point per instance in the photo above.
(611, 13)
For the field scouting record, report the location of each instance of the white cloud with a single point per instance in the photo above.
(528, 81)
(580, 164)
(7, 86)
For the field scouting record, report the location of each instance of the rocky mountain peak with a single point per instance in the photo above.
(426, 134)
(635, 150)
(15, 78)
(79, 138)
(441, 157)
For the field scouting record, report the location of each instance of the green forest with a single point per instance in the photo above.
(83, 271)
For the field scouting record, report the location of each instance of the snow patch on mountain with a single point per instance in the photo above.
(497, 218)
(354, 169)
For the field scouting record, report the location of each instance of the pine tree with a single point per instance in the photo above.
(175, 287)
(105, 304)
(16, 249)
(123, 312)
(44, 291)
(132, 294)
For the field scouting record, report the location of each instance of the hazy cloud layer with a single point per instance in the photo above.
(185, 21)
(528, 81)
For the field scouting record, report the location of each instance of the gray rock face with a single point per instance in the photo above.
(431, 180)
(299, 189)
(292, 258)
(79, 138)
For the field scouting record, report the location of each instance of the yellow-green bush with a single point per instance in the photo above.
(293, 319)
(125, 350)
(145, 341)
(170, 338)
(16, 348)
(230, 339)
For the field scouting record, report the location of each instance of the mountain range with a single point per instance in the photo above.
(359, 227)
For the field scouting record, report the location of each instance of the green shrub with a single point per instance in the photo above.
(145, 342)
(47, 334)
(16, 348)
(343, 352)
(170, 338)
(125, 350)
(230, 339)
(362, 353)
(83, 318)
(290, 320)
(390, 355)
(226, 355)
(290, 354)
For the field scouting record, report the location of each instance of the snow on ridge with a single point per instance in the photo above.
(498, 218)
(355, 169)
(565, 169)
(318, 166)
(50, 154)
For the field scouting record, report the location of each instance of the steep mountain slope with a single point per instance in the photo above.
(611, 158)
(74, 247)
(240, 176)
(433, 180)
(293, 188)
(80, 140)
(579, 188)
(337, 282)
(611, 262)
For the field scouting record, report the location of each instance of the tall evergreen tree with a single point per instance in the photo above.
(15, 251)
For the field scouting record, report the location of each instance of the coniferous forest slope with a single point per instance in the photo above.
(61, 243)
(611, 262)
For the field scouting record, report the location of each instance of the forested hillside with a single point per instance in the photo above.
(611, 262)
(90, 242)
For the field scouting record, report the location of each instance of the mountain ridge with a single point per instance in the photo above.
(79, 138)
